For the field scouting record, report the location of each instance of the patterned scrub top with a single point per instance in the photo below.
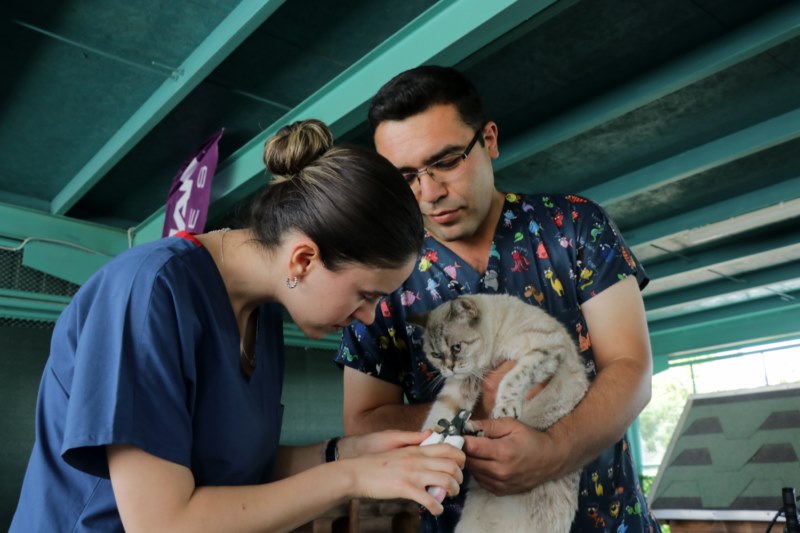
(555, 251)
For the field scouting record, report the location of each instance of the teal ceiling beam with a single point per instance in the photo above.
(31, 306)
(739, 145)
(65, 262)
(234, 29)
(757, 321)
(757, 37)
(762, 283)
(711, 317)
(447, 32)
(292, 336)
(36, 204)
(27, 224)
(690, 261)
(783, 199)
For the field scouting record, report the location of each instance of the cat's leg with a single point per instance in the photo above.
(456, 394)
(530, 369)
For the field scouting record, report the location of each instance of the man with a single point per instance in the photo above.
(557, 251)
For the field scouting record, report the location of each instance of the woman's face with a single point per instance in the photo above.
(325, 301)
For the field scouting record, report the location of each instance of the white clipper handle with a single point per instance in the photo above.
(435, 438)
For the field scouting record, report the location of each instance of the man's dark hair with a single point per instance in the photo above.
(415, 90)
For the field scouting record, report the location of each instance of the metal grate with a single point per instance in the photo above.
(16, 276)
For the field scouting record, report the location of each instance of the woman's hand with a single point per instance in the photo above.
(407, 472)
(382, 441)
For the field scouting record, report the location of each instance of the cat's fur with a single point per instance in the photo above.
(465, 339)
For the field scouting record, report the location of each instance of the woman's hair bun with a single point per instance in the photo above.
(294, 146)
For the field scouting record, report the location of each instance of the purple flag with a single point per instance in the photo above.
(187, 200)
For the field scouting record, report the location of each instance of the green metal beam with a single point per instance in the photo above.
(762, 283)
(762, 320)
(242, 21)
(759, 36)
(21, 223)
(31, 306)
(65, 262)
(714, 154)
(781, 197)
(690, 261)
(446, 33)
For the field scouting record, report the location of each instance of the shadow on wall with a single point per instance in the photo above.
(25, 348)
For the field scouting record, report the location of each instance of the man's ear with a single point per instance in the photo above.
(419, 319)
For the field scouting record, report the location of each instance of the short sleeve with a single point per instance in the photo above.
(133, 371)
(602, 257)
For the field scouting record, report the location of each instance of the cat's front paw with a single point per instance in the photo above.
(506, 410)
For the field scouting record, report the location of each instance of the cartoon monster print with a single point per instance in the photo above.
(508, 218)
(623, 527)
(431, 288)
(407, 298)
(565, 242)
(583, 340)
(628, 258)
(598, 487)
(518, 236)
(493, 252)
(576, 199)
(548, 203)
(432, 256)
(594, 514)
(530, 291)
(512, 198)
(613, 509)
(454, 285)
(521, 262)
(597, 229)
(451, 270)
(416, 340)
(350, 356)
(386, 312)
(490, 280)
(554, 281)
(400, 344)
(526, 207)
(635, 510)
(586, 278)
(425, 370)
(541, 251)
(534, 227)
(424, 264)
(559, 218)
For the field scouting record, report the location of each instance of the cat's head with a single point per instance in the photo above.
(453, 342)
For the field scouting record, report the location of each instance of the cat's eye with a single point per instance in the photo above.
(456, 348)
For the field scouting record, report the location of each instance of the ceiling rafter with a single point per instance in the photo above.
(716, 153)
(773, 203)
(447, 31)
(759, 36)
(727, 290)
(242, 21)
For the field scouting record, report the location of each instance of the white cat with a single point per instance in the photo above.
(468, 337)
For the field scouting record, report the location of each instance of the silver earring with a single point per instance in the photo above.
(291, 283)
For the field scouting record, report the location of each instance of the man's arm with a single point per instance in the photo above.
(513, 457)
(371, 404)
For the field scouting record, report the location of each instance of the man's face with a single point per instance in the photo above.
(455, 209)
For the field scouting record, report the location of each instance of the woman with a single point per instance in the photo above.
(159, 408)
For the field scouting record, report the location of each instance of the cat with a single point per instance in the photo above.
(468, 337)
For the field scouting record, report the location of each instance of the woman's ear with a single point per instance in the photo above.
(303, 258)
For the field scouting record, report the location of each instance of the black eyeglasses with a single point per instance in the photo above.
(443, 170)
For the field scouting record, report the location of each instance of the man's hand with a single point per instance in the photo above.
(511, 457)
(491, 382)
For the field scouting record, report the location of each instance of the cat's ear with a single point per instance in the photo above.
(464, 309)
(419, 319)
